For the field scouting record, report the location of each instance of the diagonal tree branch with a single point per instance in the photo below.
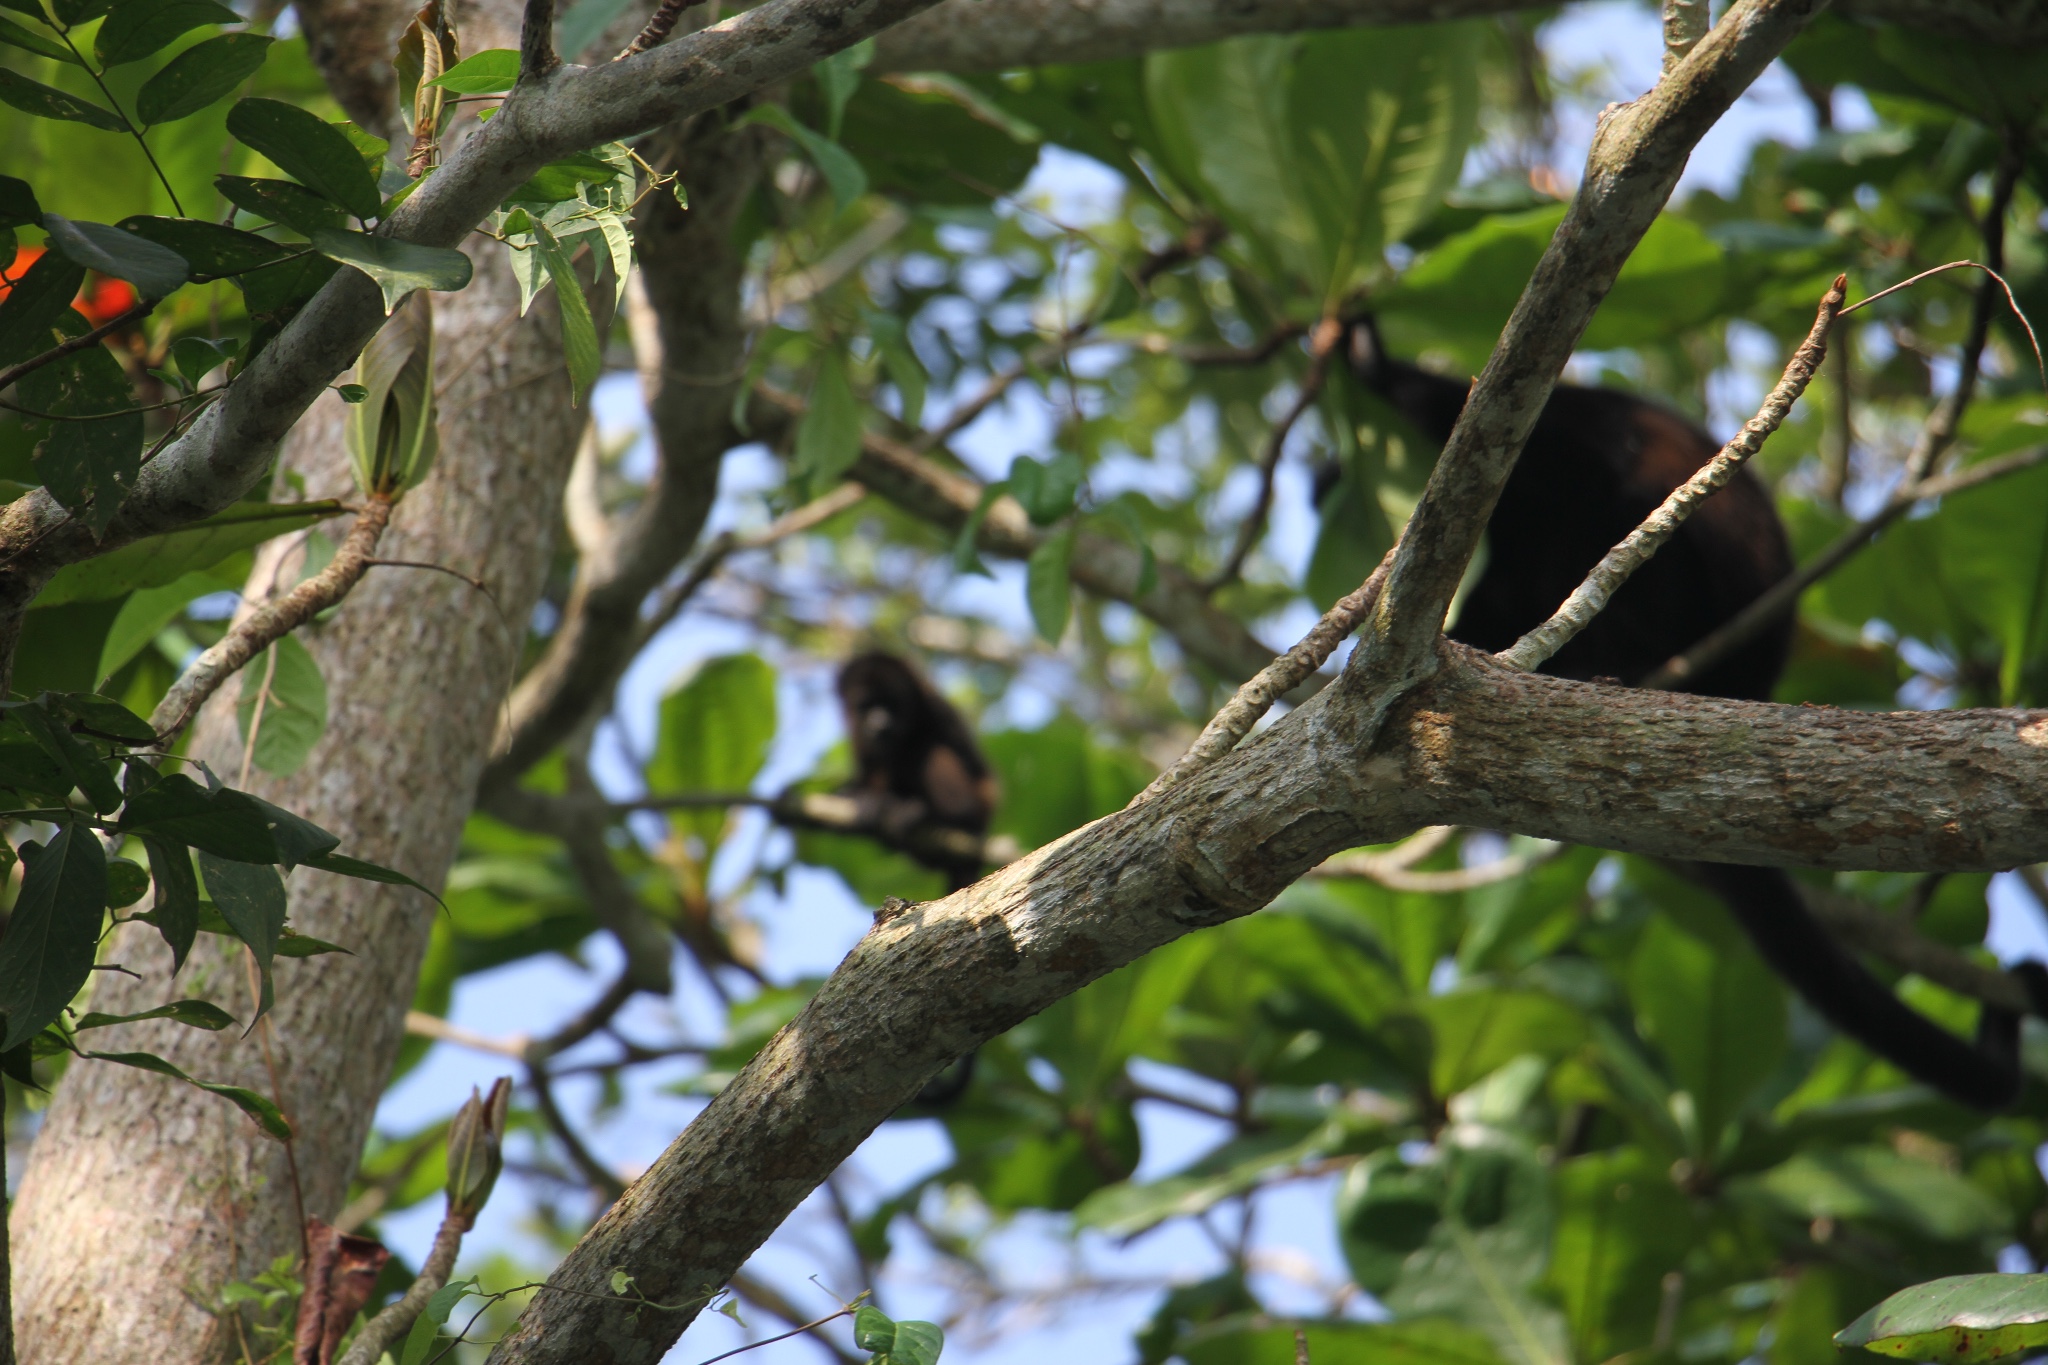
(1638, 153)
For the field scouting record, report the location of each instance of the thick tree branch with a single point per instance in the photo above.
(1638, 153)
(1476, 744)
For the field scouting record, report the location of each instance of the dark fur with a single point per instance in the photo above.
(916, 763)
(1596, 464)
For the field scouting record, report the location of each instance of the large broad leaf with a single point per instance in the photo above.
(283, 708)
(154, 270)
(211, 250)
(136, 28)
(310, 150)
(714, 734)
(1716, 1014)
(200, 75)
(843, 173)
(53, 931)
(1380, 120)
(1878, 1185)
(250, 897)
(1058, 777)
(1221, 115)
(1480, 1031)
(1960, 1320)
(1621, 1227)
(162, 560)
(18, 206)
(398, 267)
(42, 101)
(1460, 294)
(1047, 590)
(226, 823)
(88, 462)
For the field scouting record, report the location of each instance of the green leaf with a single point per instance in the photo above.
(1045, 584)
(311, 151)
(76, 12)
(175, 911)
(280, 201)
(267, 1115)
(583, 23)
(1717, 1015)
(873, 1330)
(292, 943)
(276, 292)
(966, 545)
(1622, 1226)
(159, 561)
(14, 35)
(283, 708)
(198, 357)
(917, 1343)
(579, 331)
(714, 733)
(398, 267)
(1253, 1340)
(1046, 489)
(225, 823)
(828, 437)
(39, 300)
(481, 73)
(195, 1013)
(1877, 1185)
(200, 75)
(18, 206)
(154, 270)
(103, 717)
(344, 866)
(42, 101)
(136, 28)
(212, 251)
(53, 931)
(560, 181)
(126, 883)
(440, 1305)
(250, 897)
(80, 763)
(842, 170)
(89, 463)
(906, 371)
(1379, 121)
(1479, 1031)
(1959, 1320)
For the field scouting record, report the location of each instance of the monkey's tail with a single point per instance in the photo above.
(1984, 1075)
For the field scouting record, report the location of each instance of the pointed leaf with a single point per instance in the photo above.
(33, 97)
(162, 560)
(14, 35)
(842, 170)
(154, 270)
(193, 1013)
(398, 267)
(292, 943)
(1958, 1320)
(828, 437)
(280, 201)
(310, 151)
(212, 251)
(917, 1343)
(250, 897)
(482, 73)
(18, 206)
(344, 866)
(47, 953)
(227, 824)
(175, 912)
(579, 331)
(283, 706)
(78, 760)
(200, 75)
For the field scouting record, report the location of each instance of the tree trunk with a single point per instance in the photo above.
(144, 1196)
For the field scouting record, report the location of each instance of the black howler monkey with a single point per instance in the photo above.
(1597, 463)
(916, 763)
(915, 759)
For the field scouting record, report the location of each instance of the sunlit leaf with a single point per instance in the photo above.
(1958, 1320)
(398, 267)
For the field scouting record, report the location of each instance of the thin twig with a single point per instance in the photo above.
(13, 373)
(1253, 700)
(1936, 435)
(1372, 868)
(769, 1341)
(1322, 347)
(272, 621)
(2026, 325)
(420, 1024)
(812, 514)
(1615, 567)
(600, 1177)
(382, 1332)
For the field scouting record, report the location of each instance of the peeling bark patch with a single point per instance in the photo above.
(2035, 736)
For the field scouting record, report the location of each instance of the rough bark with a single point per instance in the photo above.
(141, 1191)
(1479, 744)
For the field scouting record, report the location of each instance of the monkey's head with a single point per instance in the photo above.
(884, 700)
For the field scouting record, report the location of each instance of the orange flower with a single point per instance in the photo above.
(103, 298)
